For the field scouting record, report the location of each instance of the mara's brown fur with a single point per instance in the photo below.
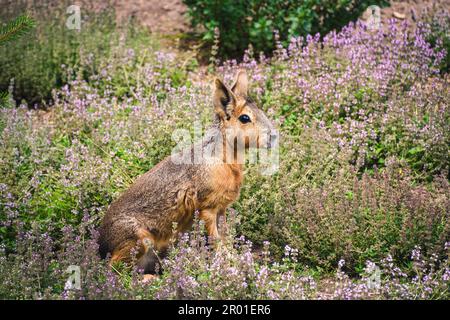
(143, 216)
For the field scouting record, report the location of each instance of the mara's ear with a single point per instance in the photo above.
(240, 87)
(223, 100)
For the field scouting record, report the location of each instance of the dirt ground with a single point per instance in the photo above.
(169, 17)
(161, 16)
(169, 20)
(411, 10)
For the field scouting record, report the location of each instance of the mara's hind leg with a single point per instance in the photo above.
(147, 258)
(123, 252)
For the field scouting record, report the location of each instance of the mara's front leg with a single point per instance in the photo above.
(222, 222)
(209, 217)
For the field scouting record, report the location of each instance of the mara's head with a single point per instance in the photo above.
(242, 122)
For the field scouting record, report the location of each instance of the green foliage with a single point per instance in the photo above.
(363, 155)
(5, 99)
(245, 22)
(439, 26)
(13, 30)
(319, 204)
(52, 54)
(16, 28)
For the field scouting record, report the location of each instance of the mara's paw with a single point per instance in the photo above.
(149, 278)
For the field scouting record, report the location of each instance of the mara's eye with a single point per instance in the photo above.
(244, 118)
